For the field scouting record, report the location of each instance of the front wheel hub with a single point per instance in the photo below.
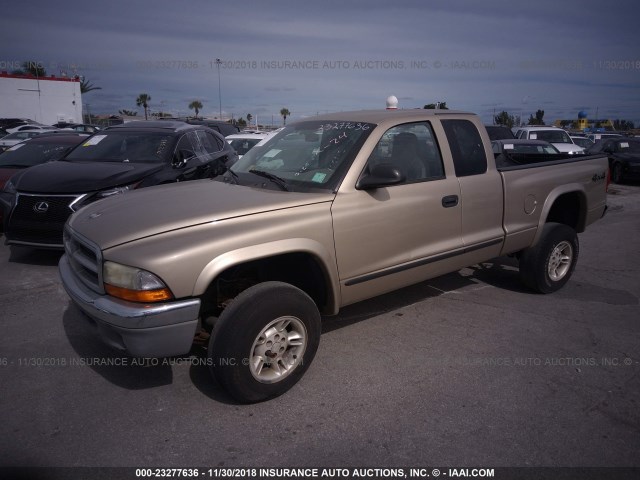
(278, 349)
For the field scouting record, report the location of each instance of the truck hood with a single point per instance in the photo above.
(568, 147)
(155, 210)
(81, 177)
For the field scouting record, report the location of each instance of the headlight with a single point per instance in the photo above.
(133, 284)
(88, 198)
(113, 191)
(9, 187)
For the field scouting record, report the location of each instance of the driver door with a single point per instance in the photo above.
(393, 236)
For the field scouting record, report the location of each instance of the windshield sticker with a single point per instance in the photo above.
(16, 147)
(319, 177)
(533, 136)
(272, 153)
(509, 146)
(271, 164)
(624, 145)
(94, 140)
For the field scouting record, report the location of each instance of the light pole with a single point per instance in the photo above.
(524, 102)
(218, 62)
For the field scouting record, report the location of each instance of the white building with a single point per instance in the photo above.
(47, 100)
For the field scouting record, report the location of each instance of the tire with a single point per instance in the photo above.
(616, 174)
(263, 316)
(547, 266)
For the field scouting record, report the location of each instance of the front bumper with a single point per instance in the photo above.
(141, 330)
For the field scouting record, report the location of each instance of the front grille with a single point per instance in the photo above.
(39, 219)
(85, 259)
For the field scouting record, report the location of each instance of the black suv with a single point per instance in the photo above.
(38, 201)
(220, 126)
(224, 128)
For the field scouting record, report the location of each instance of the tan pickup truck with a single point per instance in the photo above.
(330, 211)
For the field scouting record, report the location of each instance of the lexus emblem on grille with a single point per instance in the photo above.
(41, 207)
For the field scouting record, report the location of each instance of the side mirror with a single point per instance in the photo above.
(182, 157)
(382, 175)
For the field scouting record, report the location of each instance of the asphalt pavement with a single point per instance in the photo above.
(466, 369)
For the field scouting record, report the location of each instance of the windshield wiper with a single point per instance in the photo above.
(233, 177)
(274, 178)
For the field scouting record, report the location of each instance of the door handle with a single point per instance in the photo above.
(450, 201)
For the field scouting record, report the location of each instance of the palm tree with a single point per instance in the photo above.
(86, 86)
(143, 101)
(34, 68)
(195, 105)
(249, 117)
(285, 113)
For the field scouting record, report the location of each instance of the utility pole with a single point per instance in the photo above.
(218, 62)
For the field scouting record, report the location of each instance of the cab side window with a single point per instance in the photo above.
(209, 142)
(466, 146)
(187, 147)
(412, 149)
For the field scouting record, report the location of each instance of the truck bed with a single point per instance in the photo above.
(533, 188)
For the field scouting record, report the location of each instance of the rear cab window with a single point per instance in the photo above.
(467, 148)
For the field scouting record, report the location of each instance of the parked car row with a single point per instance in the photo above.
(38, 200)
(41, 149)
(38, 193)
(12, 139)
(554, 135)
(16, 130)
(522, 144)
(624, 157)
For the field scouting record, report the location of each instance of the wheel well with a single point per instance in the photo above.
(299, 269)
(569, 209)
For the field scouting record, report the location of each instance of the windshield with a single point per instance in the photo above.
(20, 135)
(582, 142)
(243, 145)
(551, 136)
(532, 148)
(134, 147)
(306, 155)
(29, 154)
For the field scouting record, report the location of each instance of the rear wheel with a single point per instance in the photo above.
(264, 341)
(548, 265)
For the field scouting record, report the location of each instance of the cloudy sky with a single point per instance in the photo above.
(561, 56)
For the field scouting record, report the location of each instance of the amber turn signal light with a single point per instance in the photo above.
(143, 296)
